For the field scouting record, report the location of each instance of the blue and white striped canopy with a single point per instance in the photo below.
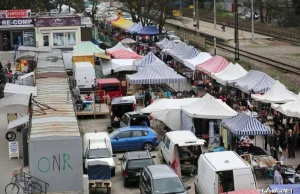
(146, 60)
(157, 73)
(253, 81)
(189, 53)
(181, 46)
(160, 44)
(244, 124)
(169, 45)
(187, 122)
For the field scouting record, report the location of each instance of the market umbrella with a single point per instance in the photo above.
(128, 41)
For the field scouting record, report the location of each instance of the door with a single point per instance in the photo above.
(121, 142)
(46, 40)
(25, 146)
(243, 179)
(136, 140)
(145, 183)
(166, 150)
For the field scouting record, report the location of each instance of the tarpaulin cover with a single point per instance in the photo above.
(134, 28)
(87, 47)
(199, 59)
(231, 72)
(162, 42)
(155, 74)
(118, 46)
(99, 170)
(117, 65)
(213, 65)
(291, 109)
(128, 41)
(253, 81)
(146, 60)
(168, 45)
(124, 54)
(149, 30)
(277, 94)
(244, 124)
(122, 23)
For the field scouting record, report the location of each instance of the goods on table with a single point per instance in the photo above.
(263, 161)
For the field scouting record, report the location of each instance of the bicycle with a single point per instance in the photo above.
(19, 180)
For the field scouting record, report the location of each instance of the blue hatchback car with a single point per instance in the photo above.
(134, 138)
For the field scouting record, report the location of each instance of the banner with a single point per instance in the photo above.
(15, 13)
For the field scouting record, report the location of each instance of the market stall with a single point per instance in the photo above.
(291, 109)
(146, 60)
(11, 89)
(149, 30)
(124, 54)
(199, 59)
(231, 72)
(213, 65)
(253, 82)
(186, 54)
(164, 41)
(117, 65)
(134, 28)
(118, 46)
(127, 41)
(122, 23)
(168, 111)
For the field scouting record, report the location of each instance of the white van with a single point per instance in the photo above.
(180, 143)
(223, 171)
(84, 74)
(97, 147)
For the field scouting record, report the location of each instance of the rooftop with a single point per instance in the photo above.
(227, 160)
(108, 81)
(161, 171)
(138, 155)
(180, 136)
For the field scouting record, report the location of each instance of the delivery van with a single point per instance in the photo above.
(108, 86)
(177, 146)
(97, 147)
(222, 172)
(84, 75)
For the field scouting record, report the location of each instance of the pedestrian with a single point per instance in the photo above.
(76, 92)
(278, 180)
(276, 145)
(291, 144)
(223, 26)
(5, 43)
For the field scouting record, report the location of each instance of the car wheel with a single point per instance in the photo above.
(126, 183)
(162, 155)
(147, 146)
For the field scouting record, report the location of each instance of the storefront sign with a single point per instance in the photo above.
(57, 22)
(16, 22)
(15, 13)
(13, 151)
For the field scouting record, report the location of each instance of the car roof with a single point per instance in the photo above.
(133, 128)
(138, 155)
(227, 160)
(161, 171)
(121, 100)
(180, 136)
(136, 114)
(108, 81)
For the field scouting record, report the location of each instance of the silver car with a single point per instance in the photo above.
(161, 179)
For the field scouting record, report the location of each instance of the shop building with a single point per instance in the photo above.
(16, 28)
(57, 31)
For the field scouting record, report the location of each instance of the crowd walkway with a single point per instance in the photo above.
(207, 28)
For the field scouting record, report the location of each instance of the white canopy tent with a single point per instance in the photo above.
(291, 109)
(119, 46)
(11, 89)
(17, 103)
(18, 122)
(168, 111)
(208, 107)
(277, 94)
(117, 65)
(200, 58)
(231, 72)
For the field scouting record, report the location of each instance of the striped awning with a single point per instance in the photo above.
(253, 82)
(169, 45)
(189, 53)
(181, 46)
(146, 60)
(165, 41)
(244, 124)
(187, 122)
(155, 74)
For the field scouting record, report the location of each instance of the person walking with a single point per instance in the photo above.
(223, 26)
(276, 145)
(291, 144)
(278, 180)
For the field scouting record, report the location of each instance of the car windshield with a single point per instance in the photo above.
(168, 185)
(114, 133)
(99, 153)
(133, 164)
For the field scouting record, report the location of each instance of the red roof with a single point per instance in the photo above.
(243, 192)
(213, 65)
(108, 81)
(124, 54)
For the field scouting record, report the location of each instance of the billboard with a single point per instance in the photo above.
(15, 13)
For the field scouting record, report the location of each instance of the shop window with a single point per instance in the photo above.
(64, 38)
(45, 40)
(29, 39)
(17, 38)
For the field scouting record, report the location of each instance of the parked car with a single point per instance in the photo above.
(108, 86)
(132, 164)
(134, 138)
(161, 179)
(134, 118)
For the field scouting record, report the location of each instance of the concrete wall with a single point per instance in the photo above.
(57, 161)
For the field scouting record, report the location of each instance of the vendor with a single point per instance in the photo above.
(88, 98)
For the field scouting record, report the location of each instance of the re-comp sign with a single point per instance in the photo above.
(16, 22)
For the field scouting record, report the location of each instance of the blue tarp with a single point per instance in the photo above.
(98, 170)
(294, 187)
(149, 30)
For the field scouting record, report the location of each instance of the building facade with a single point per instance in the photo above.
(57, 31)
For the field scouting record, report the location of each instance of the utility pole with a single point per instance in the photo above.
(180, 9)
(194, 10)
(215, 15)
(236, 32)
(197, 13)
(252, 19)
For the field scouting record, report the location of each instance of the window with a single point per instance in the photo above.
(29, 39)
(110, 87)
(145, 133)
(113, 134)
(99, 153)
(168, 185)
(46, 40)
(125, 119)
(64, 38)
(167, 142)
(226, 180)
(125, 134)
(138, 164)
(137, 134)
(17, 38)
